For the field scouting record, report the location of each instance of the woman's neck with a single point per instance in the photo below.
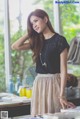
(48, 34)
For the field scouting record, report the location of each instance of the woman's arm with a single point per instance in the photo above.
(63, 68)
(21, 43)
(63, 64)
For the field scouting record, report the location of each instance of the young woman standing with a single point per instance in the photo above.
(50, 55)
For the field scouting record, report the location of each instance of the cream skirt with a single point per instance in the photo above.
(46, 90)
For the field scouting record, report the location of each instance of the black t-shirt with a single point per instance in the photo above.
(50, 54)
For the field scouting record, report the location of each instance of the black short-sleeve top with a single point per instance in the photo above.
(50, 54)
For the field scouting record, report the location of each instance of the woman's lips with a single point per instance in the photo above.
(37, 29)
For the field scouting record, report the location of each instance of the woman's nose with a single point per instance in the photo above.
(35, 25)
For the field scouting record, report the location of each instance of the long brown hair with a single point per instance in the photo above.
(36, 39)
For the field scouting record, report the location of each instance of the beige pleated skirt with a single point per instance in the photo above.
(45, 94)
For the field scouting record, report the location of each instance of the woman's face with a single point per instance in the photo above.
(38, 24)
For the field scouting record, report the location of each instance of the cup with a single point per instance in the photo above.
(28, 92)
(22, 91)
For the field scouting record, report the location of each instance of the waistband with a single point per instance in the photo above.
(48, 75)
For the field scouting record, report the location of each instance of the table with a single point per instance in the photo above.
(15, 105)
(16, 109)
(20, 109)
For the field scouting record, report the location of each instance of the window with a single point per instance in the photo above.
(2, 70)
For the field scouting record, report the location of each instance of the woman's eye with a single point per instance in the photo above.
(36, 20)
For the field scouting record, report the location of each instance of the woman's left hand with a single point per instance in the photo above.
(65, 104)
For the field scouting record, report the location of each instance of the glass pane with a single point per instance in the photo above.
(70, 28)
(70, 20)
(2, 70)
(22, 63)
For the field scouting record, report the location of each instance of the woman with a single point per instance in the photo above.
(50, 55)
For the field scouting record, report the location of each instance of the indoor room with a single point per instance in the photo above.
(40, 59)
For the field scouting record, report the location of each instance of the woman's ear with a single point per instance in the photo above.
(46, 19)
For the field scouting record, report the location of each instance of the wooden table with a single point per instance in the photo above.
(18, 109)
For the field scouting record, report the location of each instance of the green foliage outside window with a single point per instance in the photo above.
(2, 76)
(21, 60)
